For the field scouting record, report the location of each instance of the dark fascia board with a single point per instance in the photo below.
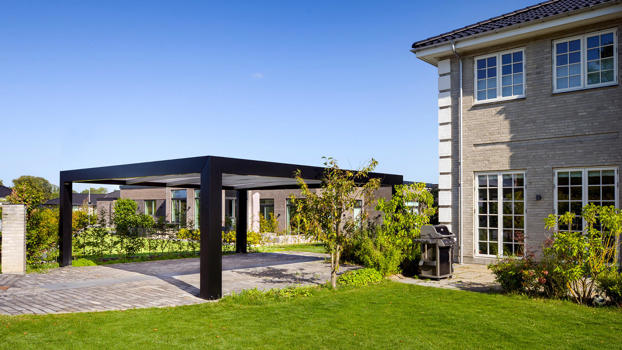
(115, 174)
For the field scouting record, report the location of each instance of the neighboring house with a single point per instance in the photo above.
(530, 122)
(82, 201)
(4, 192)
(173, 204)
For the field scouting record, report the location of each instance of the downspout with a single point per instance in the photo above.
(461, 257)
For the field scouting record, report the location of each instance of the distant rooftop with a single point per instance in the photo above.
(4, 191)
(536, 12)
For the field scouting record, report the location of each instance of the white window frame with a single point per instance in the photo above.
(585, 186)
(499, 67)
(499, 212)
(583, 62)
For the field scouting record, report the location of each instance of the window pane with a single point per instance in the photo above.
(518, 67)
(506, 80)
(606, 39)
(574, 81)
(518, 180)
(507, 208)
(481, 84)
(483, 222)
(483, 207)
(492, 93)
(507, 69)
(574, 69)
(563, 193)
(481, 95)
(606, 51)
(507, 180)
(518, 78)
(562, 83)
(483, 235)
(518, 194)
(494, 248)
(562, 71)
(519, 208)
(576, 178)
(575, 193)
(491, 72)
(505, 59)
(507, 91)
(483, 248)
(574, 45)
(492, 83)
(607, 64)
(481, 181)
(492, 194)
(493, 235)
(492, 207)
(574, 57)
(593, 193)
(592, 42)
(593, 54)
(606, 76)
(593, 66)
(483, 195)
(491, 61)
(518, 89)
(593, 177)
(608, 177)
(492, 180)
(593, 78)
(562, 178)
(519, 221)
(562, 60)
(563, 208)
(517, 56)
(481, 64)
(507, 194)
(493, 221)
(609, 193)
(481, 74)
(561, 47)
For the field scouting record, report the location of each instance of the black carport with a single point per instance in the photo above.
(211, 175)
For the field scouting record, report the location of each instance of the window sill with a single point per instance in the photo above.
(555, 92)
(498, 100)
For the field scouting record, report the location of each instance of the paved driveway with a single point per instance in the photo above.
(152, 284)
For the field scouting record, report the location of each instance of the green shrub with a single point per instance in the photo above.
(611, 284)
(83, 262)
(42, 236)
(228, 236)
(380, 254)
(254, 238)
(526, 276)
(269, 224)
(255, 296)
(361, 277)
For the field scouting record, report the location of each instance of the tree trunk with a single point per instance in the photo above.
(335, 266)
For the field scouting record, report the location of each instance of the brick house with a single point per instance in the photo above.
(530, 122)
(173, 204)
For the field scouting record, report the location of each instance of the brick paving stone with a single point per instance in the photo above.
(152, 284)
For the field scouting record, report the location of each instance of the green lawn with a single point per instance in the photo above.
(385, 316)
(305, 247)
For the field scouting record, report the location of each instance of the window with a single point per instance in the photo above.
(150, 207)
(197, 214)
(575, 188)
(357, 211)
(585, 61)
(290, 212)
(178, 206)
(500, 76)
(266, 207)
(501, 214)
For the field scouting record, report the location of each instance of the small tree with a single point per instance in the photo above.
(129, 225)
(581, 257)
(327, 215)
(268, 224)
(408, 210)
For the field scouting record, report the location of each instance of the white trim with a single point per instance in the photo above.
(475, 240)
(499, 76)
(583, 62)
(431, 54)
(585, 185)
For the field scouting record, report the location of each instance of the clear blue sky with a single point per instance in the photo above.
(93, 83)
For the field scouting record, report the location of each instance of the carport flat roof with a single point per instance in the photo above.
(237, 174)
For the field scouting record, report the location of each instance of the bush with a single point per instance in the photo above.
(228, 236)
(253, 238)
(255, 296)
(381, 255)
(42, 236)
(362, 277)
(611, 284)
(269, 224)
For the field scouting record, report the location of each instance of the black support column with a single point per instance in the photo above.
(210, 221)
(241, 225)
(64, 223)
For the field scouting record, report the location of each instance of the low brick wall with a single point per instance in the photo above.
(274, 239)
(13, 239)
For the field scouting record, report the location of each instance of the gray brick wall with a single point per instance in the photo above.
(537, 134)
(13, 239)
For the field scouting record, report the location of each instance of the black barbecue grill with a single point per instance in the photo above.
(436, 251)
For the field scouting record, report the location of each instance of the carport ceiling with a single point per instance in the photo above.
(193, 180)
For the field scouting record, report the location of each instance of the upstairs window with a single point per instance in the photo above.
(500, 76)
(585, 61)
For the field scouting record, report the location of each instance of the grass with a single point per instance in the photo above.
(383, 316)
(305, 247)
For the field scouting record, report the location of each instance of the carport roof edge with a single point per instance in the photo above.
(186, 172)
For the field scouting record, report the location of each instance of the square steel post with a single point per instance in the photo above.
(210, 222)
(241, 226)
(64, 223)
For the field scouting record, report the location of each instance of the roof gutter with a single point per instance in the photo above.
(460, 236)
